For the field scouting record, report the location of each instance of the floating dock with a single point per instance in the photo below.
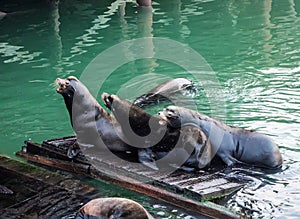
(193, 191)
(28, 191)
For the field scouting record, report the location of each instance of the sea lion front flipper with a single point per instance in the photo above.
(146, 158)
(73, 150)
(229, 160)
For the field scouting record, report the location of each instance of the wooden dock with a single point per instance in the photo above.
(38, 193)
(192, 191)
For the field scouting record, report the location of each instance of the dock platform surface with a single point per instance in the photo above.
(193, 191)
(33, 192)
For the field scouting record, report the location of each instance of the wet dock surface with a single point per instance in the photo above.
(39, 193)
(188, 190)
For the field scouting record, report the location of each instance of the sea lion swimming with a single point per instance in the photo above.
(189, 145)
(232, 144)
(117, 208)
(163, 92)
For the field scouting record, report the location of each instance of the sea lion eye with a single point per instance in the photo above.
(170, 111)
(170, 114)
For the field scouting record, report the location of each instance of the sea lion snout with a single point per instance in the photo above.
(170, 112)
(66, 85)
(62, 83)
(164, 120)
(169, 115)
(108, 100)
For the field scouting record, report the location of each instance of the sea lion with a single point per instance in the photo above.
(92, 124)
(189, 145)
(233, 145)
(163, 92)
(117, 208)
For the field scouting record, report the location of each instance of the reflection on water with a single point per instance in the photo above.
(253, 46)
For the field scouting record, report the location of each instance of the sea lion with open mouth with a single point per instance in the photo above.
(92, 124)
(96, 127)
(232, 145)
(188, 146)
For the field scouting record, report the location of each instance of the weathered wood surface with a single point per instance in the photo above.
(184, 189)
(38, 193)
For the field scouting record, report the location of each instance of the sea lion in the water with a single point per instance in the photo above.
(163, 92)
(114, 208)
(232, 144)
(189, 145)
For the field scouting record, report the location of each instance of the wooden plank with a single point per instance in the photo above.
(206, 208)
(179, 188)
(182, 182)
(228, 188)
(38, 193)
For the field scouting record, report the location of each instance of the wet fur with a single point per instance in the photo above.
(233, 145)
(192, 145)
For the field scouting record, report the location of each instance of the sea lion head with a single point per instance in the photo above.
(67, 87)
(113, 208)
(123, 109)
(76, 95)
(71, 87)
(176, 117)
(108, 100)
(171, 116)
(140, 128)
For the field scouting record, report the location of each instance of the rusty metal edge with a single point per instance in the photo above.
(208, 208)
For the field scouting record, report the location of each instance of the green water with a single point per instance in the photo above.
(252, 46)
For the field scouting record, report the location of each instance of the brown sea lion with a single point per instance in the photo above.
(114, 208)
(232, 144)
(94, 127)
(189, 145)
